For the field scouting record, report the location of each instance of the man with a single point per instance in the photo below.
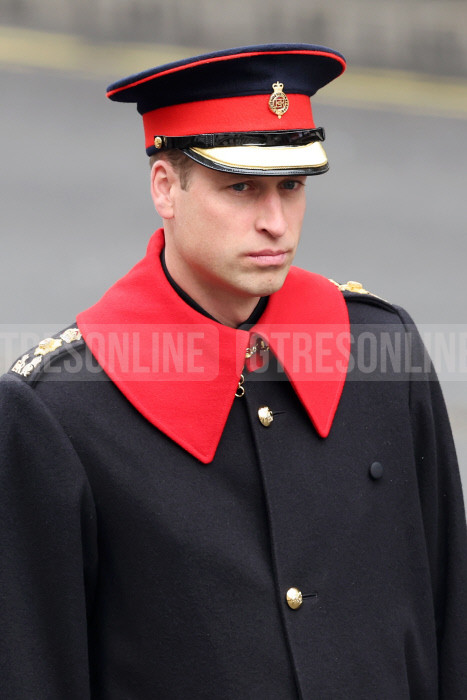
(231, 478)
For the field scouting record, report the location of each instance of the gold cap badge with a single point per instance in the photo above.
(278, 101)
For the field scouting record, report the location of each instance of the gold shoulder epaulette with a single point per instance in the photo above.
(351, 287)
(356, 287)
(26, 364)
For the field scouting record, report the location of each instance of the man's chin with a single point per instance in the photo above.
(266, 288)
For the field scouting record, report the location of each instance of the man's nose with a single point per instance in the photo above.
(271, 218)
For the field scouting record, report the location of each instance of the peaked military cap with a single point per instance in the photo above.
(244, 110)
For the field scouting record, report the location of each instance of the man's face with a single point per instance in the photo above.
(233, 236)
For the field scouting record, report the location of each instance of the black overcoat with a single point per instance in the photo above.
(132, 570)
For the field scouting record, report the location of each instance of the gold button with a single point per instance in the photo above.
(158, 142)
(294, 598)
(265, 416)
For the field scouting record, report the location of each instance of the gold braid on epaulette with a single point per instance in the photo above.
(28, 362)
(356, 287)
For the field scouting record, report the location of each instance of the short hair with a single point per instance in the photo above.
(179, 161)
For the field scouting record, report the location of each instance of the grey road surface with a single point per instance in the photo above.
(76, 213)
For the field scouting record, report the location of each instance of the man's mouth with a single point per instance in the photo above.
(269, 257)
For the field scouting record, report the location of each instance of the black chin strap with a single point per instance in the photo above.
(296, 137)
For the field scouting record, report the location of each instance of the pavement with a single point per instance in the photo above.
(76, 212)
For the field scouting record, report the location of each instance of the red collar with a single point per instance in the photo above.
(171, 362)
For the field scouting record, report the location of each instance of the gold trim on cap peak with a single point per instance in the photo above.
(312, 155)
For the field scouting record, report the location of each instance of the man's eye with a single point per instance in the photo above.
(240, 186)
(290, 184)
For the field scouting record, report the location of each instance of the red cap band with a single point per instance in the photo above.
(239, 114)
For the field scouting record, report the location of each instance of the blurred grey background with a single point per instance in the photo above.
(74, 181)
(425, 35)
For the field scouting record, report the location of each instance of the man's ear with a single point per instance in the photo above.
(163, 179)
